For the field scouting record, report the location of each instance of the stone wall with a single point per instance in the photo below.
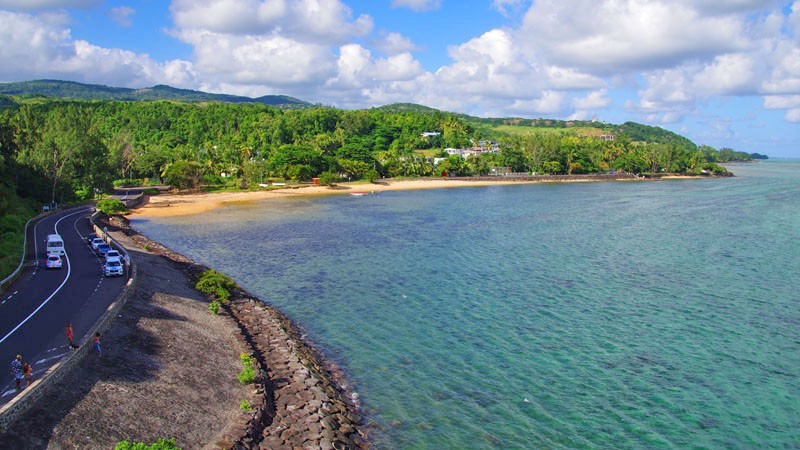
(303, 405)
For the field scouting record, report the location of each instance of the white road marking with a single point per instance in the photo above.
(44, 360)
(47, 300)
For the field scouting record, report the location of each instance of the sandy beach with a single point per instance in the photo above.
(164, 205)
(176, 204)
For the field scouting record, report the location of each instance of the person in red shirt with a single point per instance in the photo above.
(27, 372)
(70, 335)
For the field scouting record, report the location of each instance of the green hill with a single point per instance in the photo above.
(407, 107)
(80, 91)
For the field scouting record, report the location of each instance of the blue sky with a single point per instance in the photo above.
(725, 73)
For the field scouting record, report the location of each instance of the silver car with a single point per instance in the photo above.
(97, 241)
(113, 268)
(113, 254)
(53, 261)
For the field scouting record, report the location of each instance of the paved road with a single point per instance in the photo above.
(35, 310)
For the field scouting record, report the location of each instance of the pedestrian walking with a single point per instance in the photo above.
(16, 370)
(27, 372)
(96, 344)
(70, 335)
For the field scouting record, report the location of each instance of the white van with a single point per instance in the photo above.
(55, 245)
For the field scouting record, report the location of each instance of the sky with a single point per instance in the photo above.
(724, 73)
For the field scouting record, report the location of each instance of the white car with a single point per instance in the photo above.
(53, 261)
(97, 241)
(113, 268)
(113, 254)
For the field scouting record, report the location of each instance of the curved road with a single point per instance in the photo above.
(35, 310)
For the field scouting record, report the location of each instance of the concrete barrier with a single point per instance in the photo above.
(7, 280)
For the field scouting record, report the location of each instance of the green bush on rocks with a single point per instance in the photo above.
(216, 284)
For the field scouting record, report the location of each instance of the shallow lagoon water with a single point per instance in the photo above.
(598, 315)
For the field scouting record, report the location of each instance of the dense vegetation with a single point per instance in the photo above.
(83, 146)
(71, 150)
(22, 191)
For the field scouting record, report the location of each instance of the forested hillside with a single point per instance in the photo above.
(88, 145)
(70, 150)
(22, 191)
(81, 91)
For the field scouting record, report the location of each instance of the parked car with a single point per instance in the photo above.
(102, 249)
(113, 268)
(95, 242)
(91, 237)
(113, 254)
(53, 261)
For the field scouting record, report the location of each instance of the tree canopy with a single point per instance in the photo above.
(80, 147)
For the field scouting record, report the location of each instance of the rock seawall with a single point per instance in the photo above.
(300, 400)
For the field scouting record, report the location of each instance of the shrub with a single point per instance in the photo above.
(248, 374)
(111, 206)
(126, 182)
(151, 191)
(245, 405)
(372, 175)
(222, 294)
(216, 284)
(161, 444)
(328, 178)
(213, 307)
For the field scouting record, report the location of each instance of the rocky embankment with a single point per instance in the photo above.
(300, 401)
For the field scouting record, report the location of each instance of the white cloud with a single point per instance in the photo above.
(270, 60)
(503, 6)
(682, 53)
(793, 115)
(40, 47)
(727, 74)
(122, 15)
(782, 102)
(794, 20)
(417, 5)
(394, 43)
(594, 100)
(628, 34)
(566, 58)
(549, 103)
(319, 21)
(35, 5)
(785, 75)
(667, 98)
(357, 68)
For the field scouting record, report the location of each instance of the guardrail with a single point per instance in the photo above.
(16, 271)
(7, 280)
(12, 410)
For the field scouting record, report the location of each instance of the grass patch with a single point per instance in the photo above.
(248, 374)
(161, 444)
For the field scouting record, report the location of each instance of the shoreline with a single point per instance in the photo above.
(177, 204)
(301, 397)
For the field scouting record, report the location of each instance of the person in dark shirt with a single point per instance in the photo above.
(16, 370)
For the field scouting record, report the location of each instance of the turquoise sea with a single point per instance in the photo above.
(641, 315)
